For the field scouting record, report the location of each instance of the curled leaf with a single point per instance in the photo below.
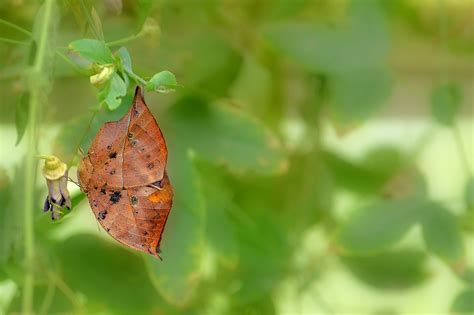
(102, 76)
(162, 82)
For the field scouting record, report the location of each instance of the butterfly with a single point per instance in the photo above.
(124, 177)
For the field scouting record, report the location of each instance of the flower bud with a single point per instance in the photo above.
(56, 174)
(103, 74)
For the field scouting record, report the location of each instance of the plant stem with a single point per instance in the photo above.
(16, 27)
(69, 62)
(30, 167)
(122, 40)
(12, 41)
(136, 77)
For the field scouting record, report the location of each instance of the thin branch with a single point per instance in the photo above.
(122, 40)
(13, 41)
(16, 27)
(48, 299)
(30, 165)
(136, 77)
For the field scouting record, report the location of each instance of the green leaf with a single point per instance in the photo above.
(162, 82)
(5, 187)
(469, 194)
(361, 42)
(445, 103)
(220, 228)
(253, 85)
(21, 115)
(263, 249)
(441, 232)
(125, 64)
(8, 291)
(359, 177)
(113, 93)
(351, 55)
(22, 106)
(464, 302)
(177, 276)
(101, 277)
(92, 50)
(379, 226)
(400, 269)
(225, 135)
(125, 59)
(359, 94)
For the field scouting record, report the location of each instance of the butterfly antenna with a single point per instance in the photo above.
(73, 181)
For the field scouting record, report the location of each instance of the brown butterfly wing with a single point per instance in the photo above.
(136, 216)
(125, 181)
(132, 150)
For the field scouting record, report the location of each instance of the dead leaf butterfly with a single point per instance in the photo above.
(124, 177)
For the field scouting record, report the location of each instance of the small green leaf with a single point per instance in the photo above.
(441, 232)
(379, 226)
(469, 194)
(464, 302)
(162, 82)
(21, 115)
(114, 91)
(22, 106)
(125, 59)
(445, 103)
(400, 269)
(92, 50)
(253, 85)
(5, 187)
(364, 178)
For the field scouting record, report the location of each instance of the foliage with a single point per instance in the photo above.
(253, 99)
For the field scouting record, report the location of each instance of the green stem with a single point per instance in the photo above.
(16, 27)
(30, 167)
(48, 298)
(123, 40)
(136, 77)
(69, 62)
(12, 41)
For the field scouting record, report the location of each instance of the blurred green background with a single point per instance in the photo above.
(321, 153)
